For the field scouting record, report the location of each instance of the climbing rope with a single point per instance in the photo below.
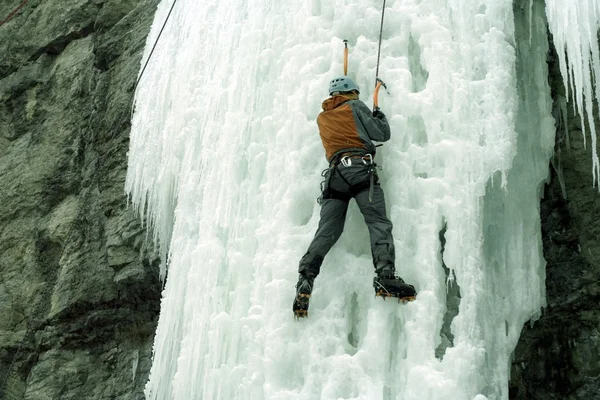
(378, 82)
(13, 12)
(380, 36)
(152, 51)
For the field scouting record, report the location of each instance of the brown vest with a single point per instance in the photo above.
(337, 126)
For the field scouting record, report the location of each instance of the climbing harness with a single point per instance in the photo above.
(13, 12)
(151, 51)
(367, 160)
(353, 152)
(346, 159)
(372, 173)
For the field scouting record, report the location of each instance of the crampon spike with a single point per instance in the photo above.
(384, 294)
(301, 306)
(300, 314)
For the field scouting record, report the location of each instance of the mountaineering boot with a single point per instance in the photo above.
(303, 291)
(386, 284)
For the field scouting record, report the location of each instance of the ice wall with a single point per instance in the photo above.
(225, 163)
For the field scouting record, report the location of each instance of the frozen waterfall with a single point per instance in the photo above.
(225, 162)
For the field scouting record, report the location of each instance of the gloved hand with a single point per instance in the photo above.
(377, 113)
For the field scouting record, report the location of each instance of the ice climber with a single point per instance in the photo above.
(347, 128)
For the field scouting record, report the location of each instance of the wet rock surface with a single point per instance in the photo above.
(558, 356)
(79, 287)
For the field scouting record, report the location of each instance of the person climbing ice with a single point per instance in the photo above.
(347, 128)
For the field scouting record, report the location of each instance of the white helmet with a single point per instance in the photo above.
(342, 84)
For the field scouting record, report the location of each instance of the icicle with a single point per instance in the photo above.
(134, 366)
(574, 26)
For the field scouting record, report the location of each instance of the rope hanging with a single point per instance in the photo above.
(380, 36)
(13, 12)
(152, 51)
(379, 82)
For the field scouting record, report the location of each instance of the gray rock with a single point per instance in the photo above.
(558, 356)
(79, 288)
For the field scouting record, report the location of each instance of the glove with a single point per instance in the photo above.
(378, 114)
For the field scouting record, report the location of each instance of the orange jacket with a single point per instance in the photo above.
(346, 124)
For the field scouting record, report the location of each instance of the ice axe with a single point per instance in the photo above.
(378, 84)
(345, 56)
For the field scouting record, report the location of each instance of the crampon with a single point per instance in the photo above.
(394, 287)
(301, 305)
(403, 299)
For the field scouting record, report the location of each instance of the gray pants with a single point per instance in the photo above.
(341, 184)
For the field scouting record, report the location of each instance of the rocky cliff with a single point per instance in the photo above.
(558, 356)
(79, 288)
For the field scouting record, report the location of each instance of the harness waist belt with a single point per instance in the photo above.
(347, 161)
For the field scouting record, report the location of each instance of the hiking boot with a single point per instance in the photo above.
(303, 291)
(386, 284)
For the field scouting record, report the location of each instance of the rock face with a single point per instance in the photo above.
(558, 356)
(79, 288)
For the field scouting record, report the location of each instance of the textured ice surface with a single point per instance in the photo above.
(225, 164)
